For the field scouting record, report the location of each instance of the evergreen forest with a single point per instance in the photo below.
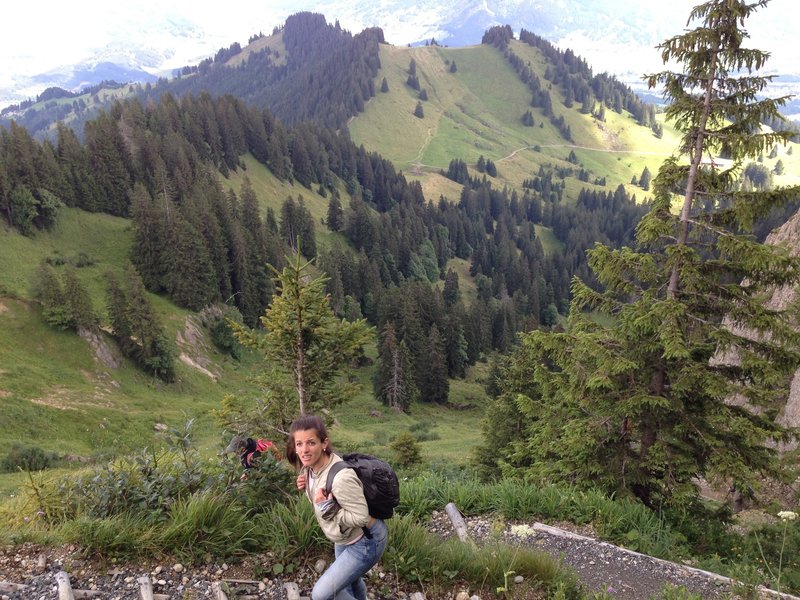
(573, 279)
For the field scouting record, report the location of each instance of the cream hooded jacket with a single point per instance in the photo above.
(345, 525)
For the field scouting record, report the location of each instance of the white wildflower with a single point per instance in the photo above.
(522, 530)
(787, 515)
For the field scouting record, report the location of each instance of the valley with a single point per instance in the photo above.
(505, 274)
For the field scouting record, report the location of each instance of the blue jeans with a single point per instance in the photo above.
(342, 580)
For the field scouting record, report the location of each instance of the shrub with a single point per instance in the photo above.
(118, 537)
(207, 523)
(217, 320)
(406, 450)
(27, 458)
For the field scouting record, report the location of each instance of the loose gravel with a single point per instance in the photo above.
(600, 566)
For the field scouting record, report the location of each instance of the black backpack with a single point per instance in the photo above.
(381, 486)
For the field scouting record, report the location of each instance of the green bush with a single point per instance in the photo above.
(27, 458)
(406, 450)
(267, 482)
(775, 548)
(217, 320)
(417, 555)
(289, 529)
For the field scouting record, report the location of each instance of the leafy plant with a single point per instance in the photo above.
(27, 458)
(406, 450)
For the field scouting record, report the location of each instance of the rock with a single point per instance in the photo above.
(161, 427)
(292, 590)
(519, 579)
(177, 567)
(158, 570)
(462, 595)
(417, 596)
(320, 566)
(475, 597)
(262, 587)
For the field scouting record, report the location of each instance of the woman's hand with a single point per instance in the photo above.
(321, 497)
(301, 481)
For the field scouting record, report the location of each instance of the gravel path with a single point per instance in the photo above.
(600, 566)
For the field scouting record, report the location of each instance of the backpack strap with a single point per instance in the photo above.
(335, 468)
(332, 472)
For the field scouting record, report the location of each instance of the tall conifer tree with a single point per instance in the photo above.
(642, 404)
(306, 347)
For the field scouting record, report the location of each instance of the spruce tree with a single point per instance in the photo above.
(306, 348)
(434, 385)
(642, 404)
(645, 179)
(393, 381)
(80, 303)
(335, 220)
(136, 326)
(46, 288)
(154, 352)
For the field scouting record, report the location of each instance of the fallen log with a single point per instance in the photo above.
(460, 526)
(216, 591)
(145, 588)
(64, 586)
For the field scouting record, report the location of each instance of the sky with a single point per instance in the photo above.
(48, 35)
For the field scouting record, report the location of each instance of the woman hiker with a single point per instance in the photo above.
(359, 539)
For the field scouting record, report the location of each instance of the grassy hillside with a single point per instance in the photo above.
(477, 111)
(54, 391)
(52, 386)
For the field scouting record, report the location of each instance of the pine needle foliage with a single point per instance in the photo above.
(642, 401)
(302, 340)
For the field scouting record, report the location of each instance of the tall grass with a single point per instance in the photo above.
(207, 524)
(289, 529)
(417, 555)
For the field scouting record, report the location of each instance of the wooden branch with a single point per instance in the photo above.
(216, 591)
(458, 523)
(7, 586)
(64, 586)
(145, 588)
(84, 594)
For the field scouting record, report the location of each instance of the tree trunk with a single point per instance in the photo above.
(694, 167)
(300, 364)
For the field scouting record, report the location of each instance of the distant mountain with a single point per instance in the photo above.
(618, 36)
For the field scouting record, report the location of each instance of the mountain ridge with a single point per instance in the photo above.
(160, 43)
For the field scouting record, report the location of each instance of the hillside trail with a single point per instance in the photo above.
(600, 566)
(588, 148)
(611, 572)
(419, 166)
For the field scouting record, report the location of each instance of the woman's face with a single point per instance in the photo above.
(309, 448)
